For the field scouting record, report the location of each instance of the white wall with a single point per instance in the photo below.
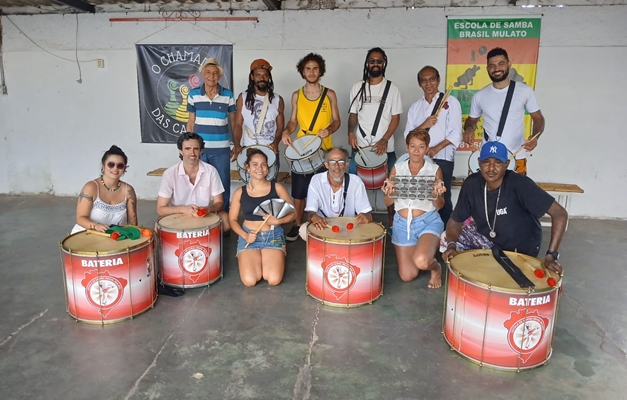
(54, 130)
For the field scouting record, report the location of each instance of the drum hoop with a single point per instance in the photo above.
(348, 241)
(500, 289)
(171, 230)
(104, 253)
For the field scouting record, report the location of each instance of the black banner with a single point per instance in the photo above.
(166, 74)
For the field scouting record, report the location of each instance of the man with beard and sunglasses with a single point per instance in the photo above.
(314, 111)
(259, 115)
(488, 102)
(368, 127)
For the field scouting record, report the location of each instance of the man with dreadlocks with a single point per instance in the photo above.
(375, 112)
(259, 118)
(314, 110)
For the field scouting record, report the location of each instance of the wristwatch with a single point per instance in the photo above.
(555, 254)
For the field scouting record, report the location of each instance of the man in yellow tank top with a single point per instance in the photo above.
(314, 112)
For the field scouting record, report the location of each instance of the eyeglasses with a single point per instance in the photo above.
(333, 163)
(111, 165)
(375, 61)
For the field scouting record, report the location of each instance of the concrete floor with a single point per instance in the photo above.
(277, 343)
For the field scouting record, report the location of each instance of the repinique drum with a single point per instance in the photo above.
(473, 162)
(309, 159)
(371, 168)
(490, 320)
(108, 281)
(345, 268)
(273, 170)
(190, 250)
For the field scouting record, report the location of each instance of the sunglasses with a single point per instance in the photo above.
(375, 61)
(111, 165)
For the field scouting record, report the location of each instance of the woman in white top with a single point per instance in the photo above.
(107, 200)
(417, 224)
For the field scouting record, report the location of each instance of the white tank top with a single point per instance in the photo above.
(103, 213)
(268, 131)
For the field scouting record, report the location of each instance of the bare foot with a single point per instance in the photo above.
(436, 276)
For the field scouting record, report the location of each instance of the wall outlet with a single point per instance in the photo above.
(100, 62)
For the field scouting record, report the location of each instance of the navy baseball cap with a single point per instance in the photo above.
(493, 150)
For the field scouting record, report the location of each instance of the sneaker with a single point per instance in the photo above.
(293, 234)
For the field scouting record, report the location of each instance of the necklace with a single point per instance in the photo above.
(496, 207)
(107, 187)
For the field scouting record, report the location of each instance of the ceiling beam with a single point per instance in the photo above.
(272, 4)
(79, 4)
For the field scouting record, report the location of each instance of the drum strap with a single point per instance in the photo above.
(511, 268)
(260, 122)
(315, 117)
(375, 126)
(347, 180)
(508, 101)
(436, 106)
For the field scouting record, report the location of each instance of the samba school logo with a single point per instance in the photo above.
(339, 275)
(526, 331)
(193, 258)
(103, 291)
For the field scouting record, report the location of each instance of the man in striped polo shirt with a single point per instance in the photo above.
(210, 108)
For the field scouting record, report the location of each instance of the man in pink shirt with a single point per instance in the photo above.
(191, 184)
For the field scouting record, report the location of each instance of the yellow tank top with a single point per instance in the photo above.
(307, 109)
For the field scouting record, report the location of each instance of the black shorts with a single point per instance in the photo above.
(300, 184)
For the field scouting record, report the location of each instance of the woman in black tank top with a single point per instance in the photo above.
(264, 258)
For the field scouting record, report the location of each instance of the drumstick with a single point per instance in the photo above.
(313, 138)
(526, 264)
(362, 153)
(292, 146)
(448, 93)
(521, 147)
(258, 229)
(93, 232)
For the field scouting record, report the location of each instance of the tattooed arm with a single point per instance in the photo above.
(85, 202)
(131, 205)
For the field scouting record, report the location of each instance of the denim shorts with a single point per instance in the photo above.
(270, 239)
(426, 223)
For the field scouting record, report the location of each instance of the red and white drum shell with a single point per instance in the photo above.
(190, 250)
(345, 269)
(371, 168)
(490, 320)
(108, 281)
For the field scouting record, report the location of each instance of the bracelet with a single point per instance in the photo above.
(450, 243)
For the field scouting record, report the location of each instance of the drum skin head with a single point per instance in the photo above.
(241, 158)
(89, 244)
(359, 233)
(371, 159)
(299, 143)
(180, 222)
(480, 268)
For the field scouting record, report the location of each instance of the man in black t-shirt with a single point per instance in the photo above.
(506, 207)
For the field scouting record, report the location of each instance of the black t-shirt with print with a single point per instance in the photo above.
(520, 207)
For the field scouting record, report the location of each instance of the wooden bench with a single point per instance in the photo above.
(283, 176)
(561, 191)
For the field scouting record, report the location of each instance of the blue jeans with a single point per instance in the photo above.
(352, 167)
(220, 159)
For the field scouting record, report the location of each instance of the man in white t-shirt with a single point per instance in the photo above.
(366, 97)
(249, 129)
(489, 101)
(328, 196)
(444, 127)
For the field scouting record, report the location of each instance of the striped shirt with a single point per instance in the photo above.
(212, 122)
